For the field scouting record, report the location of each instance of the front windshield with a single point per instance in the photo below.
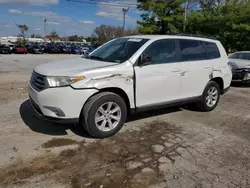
(245, 56)
(118, 50)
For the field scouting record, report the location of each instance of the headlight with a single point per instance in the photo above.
(59, 81)
(230, 66)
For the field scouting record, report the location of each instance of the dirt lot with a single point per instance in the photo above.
(168, 148)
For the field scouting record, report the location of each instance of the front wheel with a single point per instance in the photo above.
(104, 114)
(210, 97)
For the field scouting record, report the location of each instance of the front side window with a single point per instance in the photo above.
(191, 50)
(162, 51)
(242, 55)
(118, 50)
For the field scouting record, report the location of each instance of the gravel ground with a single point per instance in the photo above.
(171, 148)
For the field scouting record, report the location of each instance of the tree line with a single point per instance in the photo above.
(227, 20)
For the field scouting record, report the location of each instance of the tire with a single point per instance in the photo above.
(91, 110)
(203, 103)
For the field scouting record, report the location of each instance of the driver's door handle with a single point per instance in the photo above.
(176, 70)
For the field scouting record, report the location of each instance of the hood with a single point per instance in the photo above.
(239, 63)
(70, 67)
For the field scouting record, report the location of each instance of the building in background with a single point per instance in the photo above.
(13, 39)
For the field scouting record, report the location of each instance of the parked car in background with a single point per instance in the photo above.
(35, 49)
(20, 49)
(130, 74)
(85, 49)
(240, 65)
(77, 50)
(52, 49)
(90, 49)
(11, 46)
(65, 49)
(4, 49)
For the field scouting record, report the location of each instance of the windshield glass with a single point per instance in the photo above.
(118, 50)
(245, 56)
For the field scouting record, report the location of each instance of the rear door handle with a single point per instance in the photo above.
(207, 67)
(176, 70)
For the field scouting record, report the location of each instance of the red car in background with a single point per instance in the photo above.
(20, 50)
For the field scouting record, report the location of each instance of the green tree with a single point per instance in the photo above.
(74, 38)
(21, 41)
(161, 16)
(54, 34)
(228, 21)
(33, 35)
(105, 33)
(23, 28)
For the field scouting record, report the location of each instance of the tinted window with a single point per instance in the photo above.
(211, 50)
(191, 50)
(162, 51)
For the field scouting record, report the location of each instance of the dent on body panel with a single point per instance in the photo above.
(118, 80)
(215, 72)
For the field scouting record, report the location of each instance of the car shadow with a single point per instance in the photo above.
(40, 125)
(239, 85)
(152, 113)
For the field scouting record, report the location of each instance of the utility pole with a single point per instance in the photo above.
(124, 11)
(185, 16)
(45, 25)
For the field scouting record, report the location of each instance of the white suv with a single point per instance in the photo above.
(127, 75)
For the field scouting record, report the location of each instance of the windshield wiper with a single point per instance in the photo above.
(95, 57)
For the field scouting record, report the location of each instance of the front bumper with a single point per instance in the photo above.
(59, 104)
(241, 75)
(4, 51)
(37, 52)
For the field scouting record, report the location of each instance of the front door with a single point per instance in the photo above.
(158, 82)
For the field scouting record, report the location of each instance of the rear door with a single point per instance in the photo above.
(195, 67)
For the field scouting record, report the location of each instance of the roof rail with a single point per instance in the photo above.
(201, 36)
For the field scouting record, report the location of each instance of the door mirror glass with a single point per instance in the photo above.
(145, 60)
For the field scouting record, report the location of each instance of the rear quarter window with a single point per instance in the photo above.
(211, 49)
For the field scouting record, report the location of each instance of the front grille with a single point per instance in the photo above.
(38, 81)
(239, 74)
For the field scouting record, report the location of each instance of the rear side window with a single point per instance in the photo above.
(212, 50)
(191, 50)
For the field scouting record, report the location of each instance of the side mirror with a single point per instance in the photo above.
(144, 60)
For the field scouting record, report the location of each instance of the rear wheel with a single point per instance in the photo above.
(210, 97)
(104, 114)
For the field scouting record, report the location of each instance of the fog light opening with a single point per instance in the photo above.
(56, 110)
